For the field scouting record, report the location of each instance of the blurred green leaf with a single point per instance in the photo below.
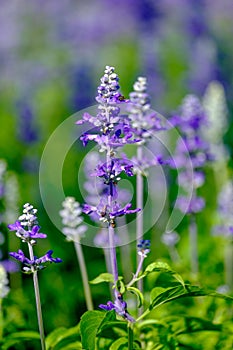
(62, 337)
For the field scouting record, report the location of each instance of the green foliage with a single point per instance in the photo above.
(63, 338)
(19, 337)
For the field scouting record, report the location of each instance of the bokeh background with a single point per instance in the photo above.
(52, 54)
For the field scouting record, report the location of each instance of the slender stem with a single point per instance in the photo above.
(139, 218)
(111, 231)
(193, 245)
(137, 272)
(229, 264)
(125, 251)
(82, 265)
(175, 257)
(130, 336)
(38, 303)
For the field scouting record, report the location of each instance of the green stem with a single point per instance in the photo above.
(38, 303)
(130, 336)
(82, 265)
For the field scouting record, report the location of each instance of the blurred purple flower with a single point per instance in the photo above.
(189, 206)
(27, 130)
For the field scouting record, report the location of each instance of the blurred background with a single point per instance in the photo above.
(52, 55)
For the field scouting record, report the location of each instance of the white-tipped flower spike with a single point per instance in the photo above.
(28, 218)
(4, 289)
(214, 103)
(71, 219)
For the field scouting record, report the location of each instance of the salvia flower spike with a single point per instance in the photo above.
(26, 228)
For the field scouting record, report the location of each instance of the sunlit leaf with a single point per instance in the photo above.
(103, 277)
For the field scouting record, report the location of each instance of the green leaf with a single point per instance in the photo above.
(19, 337)
(119, 344)
(138, 293)
(160, 266)
(103, 277)
(91, 323)
(52, 337)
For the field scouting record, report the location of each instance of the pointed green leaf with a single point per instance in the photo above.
(103, 277)
(138, 293)
(160, 295)
(160, 266)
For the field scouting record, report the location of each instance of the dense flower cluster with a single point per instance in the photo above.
(191, 154)
(72, 220)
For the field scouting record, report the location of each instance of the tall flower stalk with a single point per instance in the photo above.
(74, 230)
(111, 131)
(26, 228)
